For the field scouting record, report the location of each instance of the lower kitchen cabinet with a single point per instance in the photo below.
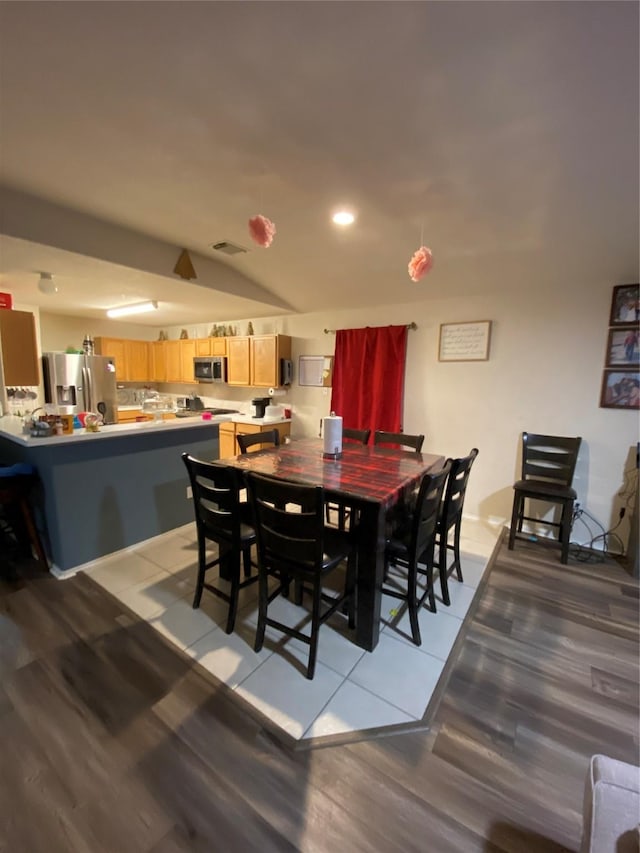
(229, 431)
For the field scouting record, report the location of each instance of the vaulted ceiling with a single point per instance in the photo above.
(502, 135)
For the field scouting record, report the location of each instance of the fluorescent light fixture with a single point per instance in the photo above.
(136, 308)
(343, 217)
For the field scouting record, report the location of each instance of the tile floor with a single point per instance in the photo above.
(353, 690)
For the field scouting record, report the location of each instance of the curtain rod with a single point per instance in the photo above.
(411, 326)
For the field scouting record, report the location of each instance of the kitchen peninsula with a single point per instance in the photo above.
(101, 492)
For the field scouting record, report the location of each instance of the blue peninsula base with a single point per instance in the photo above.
(97, 497)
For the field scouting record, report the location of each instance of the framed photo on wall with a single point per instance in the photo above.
(468, 341)
(620, 389)
(625, 305)
(623, 348)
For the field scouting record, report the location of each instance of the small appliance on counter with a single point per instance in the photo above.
(259, 406)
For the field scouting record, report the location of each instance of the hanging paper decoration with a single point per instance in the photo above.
(420, 263)
(261, 230)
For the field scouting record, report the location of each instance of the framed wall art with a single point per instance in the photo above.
(625, 305)
(465, 341)
(623, 348)
(620, 389)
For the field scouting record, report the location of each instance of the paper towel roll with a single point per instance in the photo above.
(332, 435)
(276, 392)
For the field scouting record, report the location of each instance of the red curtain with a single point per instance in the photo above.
(368, 377)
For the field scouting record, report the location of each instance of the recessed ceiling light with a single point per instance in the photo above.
(343, 217)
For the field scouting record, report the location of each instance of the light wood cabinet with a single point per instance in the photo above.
(187, 354)
(136, 361)
(255, 360)
(18, 348)
(171, 361)
(218, 346)
(115, 348)
(238, 361)
(157, 361)
(229, 432)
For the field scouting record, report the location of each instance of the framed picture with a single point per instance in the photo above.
(623, 348)
(620, 389)
(625, 305)
(465, 341)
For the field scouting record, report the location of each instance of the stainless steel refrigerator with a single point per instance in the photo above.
(81, 383)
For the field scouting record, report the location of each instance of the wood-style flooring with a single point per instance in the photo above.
(113, 740)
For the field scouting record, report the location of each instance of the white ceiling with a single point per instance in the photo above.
(505, 133)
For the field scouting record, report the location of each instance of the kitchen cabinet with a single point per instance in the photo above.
(115, 348)
(218, 346)
(126, 416)
(229, 431)
(255, 360)
(136, 361)
(19, 348)
(187, 354)
(157, 361)
(179, 357)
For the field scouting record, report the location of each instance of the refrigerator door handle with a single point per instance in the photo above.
(87, 390)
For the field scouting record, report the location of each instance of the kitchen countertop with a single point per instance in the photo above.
(11, 428)
(247, 419)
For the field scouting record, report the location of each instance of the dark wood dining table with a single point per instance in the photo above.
(370, 479)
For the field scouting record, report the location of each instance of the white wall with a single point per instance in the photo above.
(58, 331)
(543, 375)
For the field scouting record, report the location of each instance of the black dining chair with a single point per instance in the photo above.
(293, 543)
(412, 548)
(247, 440)
(548, 466)
(356, 436)
(404, 439)
(451, 517)
(219, 518)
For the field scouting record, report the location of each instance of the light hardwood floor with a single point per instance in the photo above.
(113, 740)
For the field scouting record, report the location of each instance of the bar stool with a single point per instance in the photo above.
(16, 483)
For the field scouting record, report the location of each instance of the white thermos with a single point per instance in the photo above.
(332, 435)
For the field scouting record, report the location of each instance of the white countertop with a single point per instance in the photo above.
(247, 419)
(11, 428)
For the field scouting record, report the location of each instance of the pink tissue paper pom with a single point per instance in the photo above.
(261, 230)
(420, 263)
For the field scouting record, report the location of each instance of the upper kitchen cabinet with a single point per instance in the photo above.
(18, 347)
(115, 348)
(157, 361)
(255, 360)
(187, 354)
(238, 361)
(179, 357)
(211, 346)
(136, 361)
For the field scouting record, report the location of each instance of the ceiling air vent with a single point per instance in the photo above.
(228, 248)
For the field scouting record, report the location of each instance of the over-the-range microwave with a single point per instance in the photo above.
(210, 368)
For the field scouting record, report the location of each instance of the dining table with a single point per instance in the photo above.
(371, 480)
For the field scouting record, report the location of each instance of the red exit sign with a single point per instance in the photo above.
(6, 300)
